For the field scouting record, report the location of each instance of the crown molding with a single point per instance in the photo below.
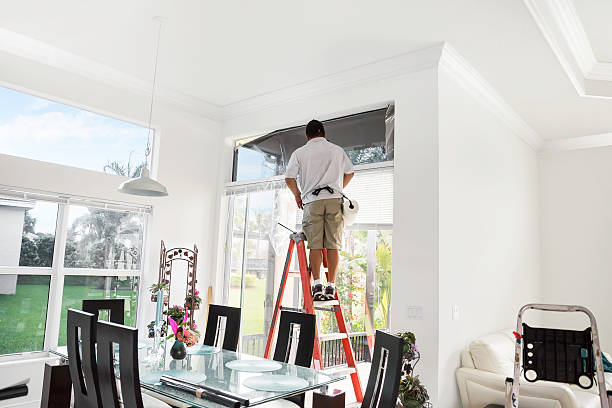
(561, 26)
(483, 92)
(438, 55)
(577, 143)
(41, 52)
(379, 70)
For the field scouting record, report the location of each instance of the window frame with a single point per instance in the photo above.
(58, 272)
(232, 188)
(155, 135)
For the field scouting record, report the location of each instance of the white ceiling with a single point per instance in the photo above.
(595, 16)
(226, 51)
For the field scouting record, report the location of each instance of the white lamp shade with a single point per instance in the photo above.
(143, 186)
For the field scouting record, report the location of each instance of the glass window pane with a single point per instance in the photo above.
(27, 236)
(104, 239)
(23, 312)
(366, 137)
(235, 277)
(78, 288)
(37, 128)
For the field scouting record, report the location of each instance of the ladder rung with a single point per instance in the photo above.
(322, 303)
(340, 370)
(333, 336)
(327, 309)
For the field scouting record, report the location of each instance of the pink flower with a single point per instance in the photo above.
(194, 326)
(197, 292)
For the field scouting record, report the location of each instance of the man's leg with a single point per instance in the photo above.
(313, 224)
(315, 259)
(333, 241)
(333, 258)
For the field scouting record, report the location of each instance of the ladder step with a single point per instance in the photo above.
(323, 303)
(333, 336)
(339, 371)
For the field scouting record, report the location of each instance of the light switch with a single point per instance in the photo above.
(456, 312)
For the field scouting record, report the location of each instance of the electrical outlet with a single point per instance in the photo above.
(415, 312)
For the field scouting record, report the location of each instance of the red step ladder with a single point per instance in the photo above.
(297, 240)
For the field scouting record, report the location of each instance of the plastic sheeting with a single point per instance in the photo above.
(366, 137)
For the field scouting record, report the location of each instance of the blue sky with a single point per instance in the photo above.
(39, 129)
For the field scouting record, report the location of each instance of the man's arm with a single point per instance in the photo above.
(347, 179)
(292, 184)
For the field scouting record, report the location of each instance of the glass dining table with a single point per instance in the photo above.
(250, 380)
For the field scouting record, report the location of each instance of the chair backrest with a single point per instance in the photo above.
(115, 308)
(232, 326)
(110, 334)
(284, 342)
(81, 343)
(385, 372)
(289, 321)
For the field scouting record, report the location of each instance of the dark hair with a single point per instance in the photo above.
(315, 128)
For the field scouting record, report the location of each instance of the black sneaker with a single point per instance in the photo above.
(317, 292)
(330, 292)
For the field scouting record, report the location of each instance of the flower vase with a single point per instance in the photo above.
(178, 350)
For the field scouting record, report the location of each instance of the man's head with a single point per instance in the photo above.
(314, 128)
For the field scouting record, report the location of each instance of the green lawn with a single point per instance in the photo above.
(253, 318)
(22, 316)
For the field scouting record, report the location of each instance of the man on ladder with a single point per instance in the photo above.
(323, 170)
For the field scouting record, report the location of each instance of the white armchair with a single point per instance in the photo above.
(487, 362)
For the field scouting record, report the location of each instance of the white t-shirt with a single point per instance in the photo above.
(319, 163)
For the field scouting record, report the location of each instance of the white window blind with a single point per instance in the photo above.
(372, 188)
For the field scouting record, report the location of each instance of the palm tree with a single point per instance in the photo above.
(101, 238)
(124, 169)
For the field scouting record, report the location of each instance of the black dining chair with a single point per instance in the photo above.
(289, 322)
(231, 333)
(128, 394)
(81, 343)
(385, 372)
(115, 307)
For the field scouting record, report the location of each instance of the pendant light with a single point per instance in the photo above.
(144, 185)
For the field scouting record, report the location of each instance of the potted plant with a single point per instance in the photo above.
(182, 331)
(412, 394)
(155, 288)
(193, 301)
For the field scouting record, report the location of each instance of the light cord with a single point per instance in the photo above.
(148, 149)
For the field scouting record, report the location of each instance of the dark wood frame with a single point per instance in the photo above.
(116, 308)
(232, 326)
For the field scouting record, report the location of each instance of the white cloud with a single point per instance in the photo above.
(59, 126)
(39, 104)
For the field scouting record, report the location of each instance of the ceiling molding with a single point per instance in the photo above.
(41, 52)
(576, 143)
(379, 70)
(561, 26)
(483, 92)
(440, 54)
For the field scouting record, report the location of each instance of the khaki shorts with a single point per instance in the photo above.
(323, 223)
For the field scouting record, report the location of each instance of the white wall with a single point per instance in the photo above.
(576, 223)
(414, 275)
(489, 238)
(189, 149)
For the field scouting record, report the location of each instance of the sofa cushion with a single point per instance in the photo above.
(494, 352)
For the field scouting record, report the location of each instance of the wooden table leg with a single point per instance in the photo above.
(57, 386)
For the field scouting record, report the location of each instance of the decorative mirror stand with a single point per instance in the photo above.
(166, 261)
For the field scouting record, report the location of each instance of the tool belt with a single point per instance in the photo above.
(330, 190)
